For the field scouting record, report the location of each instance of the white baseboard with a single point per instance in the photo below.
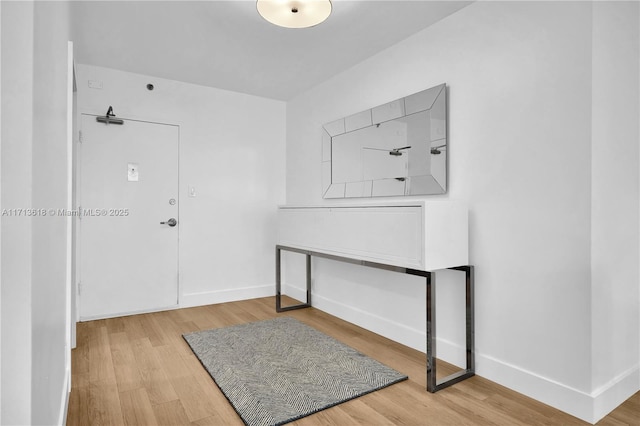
(189, 300)
(64, 403)
(608, 397)
(589, 407)
(401, 333)
(560, 396)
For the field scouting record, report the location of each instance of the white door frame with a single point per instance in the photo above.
(70, 322)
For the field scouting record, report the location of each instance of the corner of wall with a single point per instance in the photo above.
(615, 205)
(609, 396)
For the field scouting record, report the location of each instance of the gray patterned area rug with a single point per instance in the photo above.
(279, 370)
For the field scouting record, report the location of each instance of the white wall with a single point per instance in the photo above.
(17, 129)
(49, 251)
(615, 211)
(0, 219)
(232, 150)
(35, 355)
(520, 88)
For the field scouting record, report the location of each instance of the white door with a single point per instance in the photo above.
(128, 181)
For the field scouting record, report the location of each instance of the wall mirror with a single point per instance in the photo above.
(399, 148)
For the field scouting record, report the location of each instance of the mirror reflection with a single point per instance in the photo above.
(399, 148)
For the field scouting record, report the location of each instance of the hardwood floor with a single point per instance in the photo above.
(138, 370)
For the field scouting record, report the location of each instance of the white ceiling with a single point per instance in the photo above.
(226, 44)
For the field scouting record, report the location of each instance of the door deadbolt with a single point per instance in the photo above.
(170, 222)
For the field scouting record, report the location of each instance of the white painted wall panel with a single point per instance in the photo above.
(34, 176)
(17, 134)
(50, 191)
(615, 285)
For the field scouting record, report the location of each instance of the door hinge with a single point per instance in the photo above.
(79, 288)
(80, 136)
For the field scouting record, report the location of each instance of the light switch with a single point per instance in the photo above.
(192, 191)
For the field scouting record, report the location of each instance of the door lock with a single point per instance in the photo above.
(170, 222)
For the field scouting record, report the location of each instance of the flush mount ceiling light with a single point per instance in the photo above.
(294, 13)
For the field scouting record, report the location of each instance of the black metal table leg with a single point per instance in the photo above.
(279, 307)
(431, 331)
(434, 385)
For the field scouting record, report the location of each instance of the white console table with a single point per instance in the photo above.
(414, 238)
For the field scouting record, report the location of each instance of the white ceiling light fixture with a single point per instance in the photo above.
(294, 13)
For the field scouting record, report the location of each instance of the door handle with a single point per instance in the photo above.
(170, 222)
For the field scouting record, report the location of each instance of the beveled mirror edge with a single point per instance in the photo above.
(423, 100)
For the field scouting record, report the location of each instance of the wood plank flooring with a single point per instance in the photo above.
(138, 370)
